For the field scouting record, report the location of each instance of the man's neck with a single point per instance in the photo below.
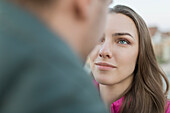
(69, 30)
(61, 22)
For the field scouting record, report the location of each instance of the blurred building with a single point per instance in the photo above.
(161, 44)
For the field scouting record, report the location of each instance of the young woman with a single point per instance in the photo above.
(125, 68)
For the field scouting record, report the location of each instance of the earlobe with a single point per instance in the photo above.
(82, 8)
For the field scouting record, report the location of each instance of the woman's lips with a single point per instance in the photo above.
(104, 66)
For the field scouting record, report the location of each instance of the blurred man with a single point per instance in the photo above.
(40, 45)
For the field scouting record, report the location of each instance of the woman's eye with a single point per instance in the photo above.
(122, 41)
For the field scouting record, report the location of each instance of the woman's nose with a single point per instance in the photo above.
(105, 51)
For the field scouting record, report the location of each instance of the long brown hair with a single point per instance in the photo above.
(146, 94)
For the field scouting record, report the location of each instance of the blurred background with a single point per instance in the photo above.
(156, 14)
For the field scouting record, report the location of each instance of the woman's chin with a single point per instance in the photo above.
(105, 82)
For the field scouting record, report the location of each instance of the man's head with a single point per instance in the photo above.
(96, 28)
(79, 22)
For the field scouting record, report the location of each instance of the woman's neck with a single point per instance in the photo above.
(111, 93)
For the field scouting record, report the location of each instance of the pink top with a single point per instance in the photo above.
(167, 107)
(117, 104)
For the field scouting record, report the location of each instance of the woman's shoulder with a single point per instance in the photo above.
(167, 107)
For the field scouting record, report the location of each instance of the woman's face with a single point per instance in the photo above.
(113, 60)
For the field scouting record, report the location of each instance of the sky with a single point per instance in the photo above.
(154, 12)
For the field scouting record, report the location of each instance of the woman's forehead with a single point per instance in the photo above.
(117, 23)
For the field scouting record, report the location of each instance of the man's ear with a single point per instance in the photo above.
(82, 8)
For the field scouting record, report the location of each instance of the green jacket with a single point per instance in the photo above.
(39, 73)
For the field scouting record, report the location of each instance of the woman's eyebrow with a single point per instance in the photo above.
(121, 34)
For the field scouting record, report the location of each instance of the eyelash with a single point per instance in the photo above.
(118, 40)
(122, 39)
